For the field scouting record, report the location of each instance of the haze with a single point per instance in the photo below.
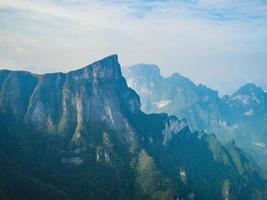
(222, 44)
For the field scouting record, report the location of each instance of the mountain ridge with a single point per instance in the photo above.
(229, 117)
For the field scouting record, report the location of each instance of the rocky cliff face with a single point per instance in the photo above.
(175, 95)
(71, 103)
(83, 133)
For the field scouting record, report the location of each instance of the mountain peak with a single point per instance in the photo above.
(112, 58)
(249, 93)
(178, 78)
(148, 70)
(249, 88)
(107, 67)
(176, 74)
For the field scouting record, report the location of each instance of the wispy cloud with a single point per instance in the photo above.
(219, 37)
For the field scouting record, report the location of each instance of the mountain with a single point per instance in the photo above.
(82, 135)
(241, 117)
(175, 95)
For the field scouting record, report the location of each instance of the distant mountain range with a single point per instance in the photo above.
(241, 117)
(82, 135)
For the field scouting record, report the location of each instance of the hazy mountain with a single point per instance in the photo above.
(82, 135)
(242, 116)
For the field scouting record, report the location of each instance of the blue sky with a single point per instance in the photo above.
(220, 43)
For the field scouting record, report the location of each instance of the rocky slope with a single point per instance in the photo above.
(82, 135)
(241, 116)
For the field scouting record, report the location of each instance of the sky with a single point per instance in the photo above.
(221, 43)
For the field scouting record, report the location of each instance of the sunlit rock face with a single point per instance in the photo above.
(73, 102)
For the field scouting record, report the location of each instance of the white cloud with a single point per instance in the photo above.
(220, 37)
